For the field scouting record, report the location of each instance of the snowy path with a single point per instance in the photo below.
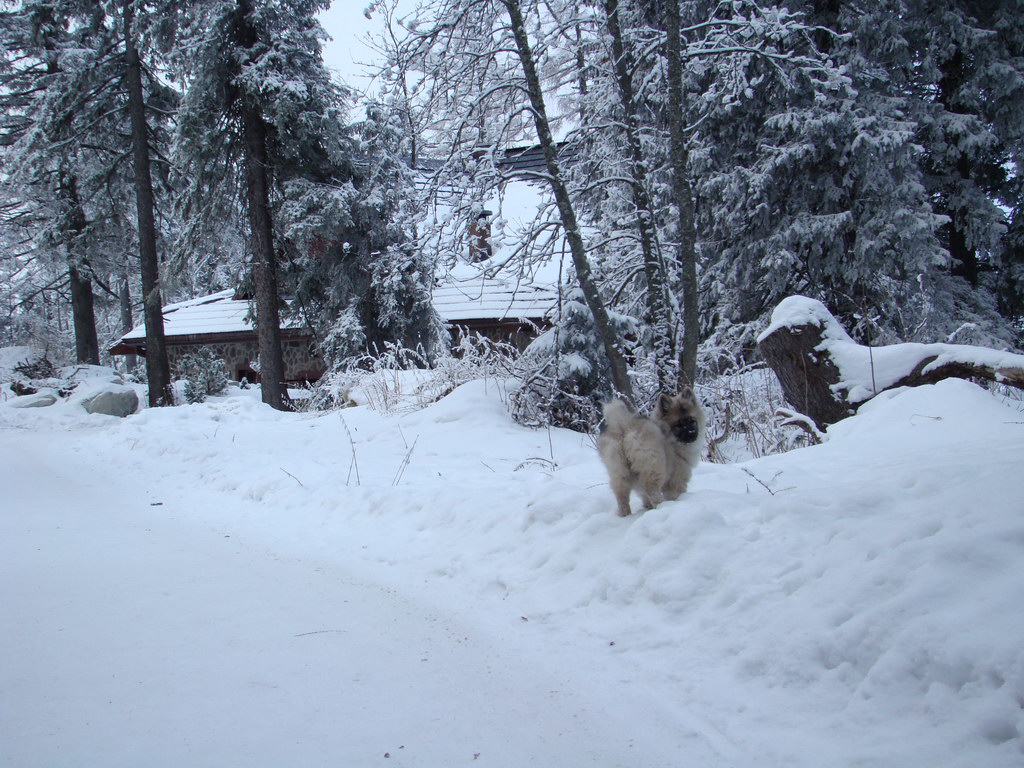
(207, 586)
(134, 636)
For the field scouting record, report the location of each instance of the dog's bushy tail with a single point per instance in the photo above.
(617, 416)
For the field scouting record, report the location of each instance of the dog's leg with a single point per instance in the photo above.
(651, 484)
(621, 487)
(676, 485)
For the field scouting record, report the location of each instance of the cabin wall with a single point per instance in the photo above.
(518, 335)
(300, 362)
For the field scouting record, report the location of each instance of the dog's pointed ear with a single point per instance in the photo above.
(686, 393)
(664, 402)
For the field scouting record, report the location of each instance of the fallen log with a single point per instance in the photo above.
(826, 375)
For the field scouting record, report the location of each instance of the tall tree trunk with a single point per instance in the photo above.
(588, 285)
(659, 316)
(264, 267)
(158, 370)
(261, 230)
(87, 345)
(682, 194)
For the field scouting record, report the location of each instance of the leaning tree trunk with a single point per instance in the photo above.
(158, 370)
(566, 211)
(264, 266)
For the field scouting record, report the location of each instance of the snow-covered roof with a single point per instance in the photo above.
(217, 313)
(457, 298)
(477, 297)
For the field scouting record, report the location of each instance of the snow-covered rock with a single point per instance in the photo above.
(35, 400)
(101, 396)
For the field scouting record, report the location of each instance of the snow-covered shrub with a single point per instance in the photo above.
(397, 378)
(747, 415)
(12, 357)
(38, 373)
(203, 374)
(40, 368)
(378, 377)
(476, 357)
(564, 371)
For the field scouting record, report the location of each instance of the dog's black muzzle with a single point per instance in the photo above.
(685, 430)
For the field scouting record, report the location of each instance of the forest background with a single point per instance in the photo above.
(702, 162)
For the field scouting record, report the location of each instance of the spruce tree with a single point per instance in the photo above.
(965, 71)
(259, 110)
(66, 125)
(360, 280)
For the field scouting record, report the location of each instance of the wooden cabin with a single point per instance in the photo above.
(500, 309)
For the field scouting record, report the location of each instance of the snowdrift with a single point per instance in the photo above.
(853, 603)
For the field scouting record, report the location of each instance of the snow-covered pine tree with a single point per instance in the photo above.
(66, 125)
(133, 26)
(360, 281)
(808, 183)
(204, 375)
(39, 86)
(565, 372)
(840, 198)
(964, 70)
(259, 111)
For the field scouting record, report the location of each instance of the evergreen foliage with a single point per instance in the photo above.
(65, 180)
(68, 163)
(360, 281)
(203, 373)
(337, 198)
(564, 370)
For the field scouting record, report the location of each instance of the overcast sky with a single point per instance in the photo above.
(346, 53)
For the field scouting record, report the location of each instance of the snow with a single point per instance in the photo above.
(864, 371)
(467, 294)
(12, 357)
(224, 584)
(217, 313)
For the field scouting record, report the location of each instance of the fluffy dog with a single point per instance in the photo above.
(654, 454)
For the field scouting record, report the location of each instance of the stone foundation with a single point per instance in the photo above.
(300, 364)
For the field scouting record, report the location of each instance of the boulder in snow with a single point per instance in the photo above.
(111, 400)
(35, 400)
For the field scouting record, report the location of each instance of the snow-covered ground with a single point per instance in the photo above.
(226, 585)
